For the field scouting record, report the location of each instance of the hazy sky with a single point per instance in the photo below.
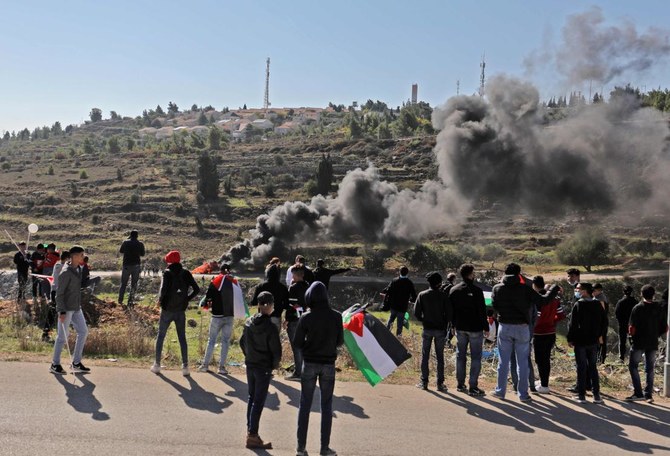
(60, 59)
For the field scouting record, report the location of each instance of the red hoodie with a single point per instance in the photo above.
(547, 318)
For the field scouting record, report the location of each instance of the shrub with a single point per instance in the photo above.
(83, 174)
(587, 247)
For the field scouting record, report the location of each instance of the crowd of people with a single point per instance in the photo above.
(522, 318)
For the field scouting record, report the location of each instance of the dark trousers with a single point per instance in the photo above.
(179, 319)
(602, 350)
(22, 280)
(400, 317)
(649, 361)
(131, 272)
(297, 353)
(325, 373)
(586, 357)
(623, 338)
(438, 337)
(258, 381)
(37, 287)
(542, 345)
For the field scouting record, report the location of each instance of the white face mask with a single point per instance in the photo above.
(577, 294)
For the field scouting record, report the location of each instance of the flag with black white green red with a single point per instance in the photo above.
(375, 351)
(240, 309)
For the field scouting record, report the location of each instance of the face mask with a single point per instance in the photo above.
(577, 294)
(572, 284)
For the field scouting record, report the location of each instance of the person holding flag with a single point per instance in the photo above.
(223, 296)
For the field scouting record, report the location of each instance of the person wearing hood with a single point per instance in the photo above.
(323, 274)
(471, 325)
(398, 294)
(22, 262)
(173, 299)
(514, 299)
(318, 335)
(279, 292)
(622, 312)
(296, 293)
(262, 353)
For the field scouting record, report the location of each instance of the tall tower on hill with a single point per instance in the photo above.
(482, 76)
(266, 100)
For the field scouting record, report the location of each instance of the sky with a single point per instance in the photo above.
(60, 59)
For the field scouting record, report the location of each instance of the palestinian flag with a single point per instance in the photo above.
(376, 352)
(223, 281)
(487, 299)
(48, 278)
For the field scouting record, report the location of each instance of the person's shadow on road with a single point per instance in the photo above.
(240, 390)
(81, 398)
(196, 397)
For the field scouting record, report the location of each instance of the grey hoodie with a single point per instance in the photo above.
(68, 296)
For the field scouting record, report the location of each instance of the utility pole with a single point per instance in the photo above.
(666, 370)
(458, 86)
(266, 100)
(482, 76)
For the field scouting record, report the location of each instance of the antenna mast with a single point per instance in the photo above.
(458, 86)
(482, 76)
(266, 100)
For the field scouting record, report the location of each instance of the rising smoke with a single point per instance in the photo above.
(602, 158)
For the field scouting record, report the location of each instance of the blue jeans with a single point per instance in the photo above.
(586, 357)
(476, 341)
(440, 338)
(326, 375)
(179, 319)
(223, 325)
(513, 338)
(531, 371)
(258, 381)
(297, 353)
(400, 316)
(132, 273)
(79, 323)
(649, 361)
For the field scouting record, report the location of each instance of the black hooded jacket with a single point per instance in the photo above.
(587, 320)
(319, 333)
(469, 305)
(323, 275)
(173, 295)
(433, 309)
(399, 293)
(276, 288)
(623, 310)
(513, 300)
(648, 323)
(260, 343)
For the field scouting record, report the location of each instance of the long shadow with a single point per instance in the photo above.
(196, 397)
(346, 406)
(81, 398)
(240, 390)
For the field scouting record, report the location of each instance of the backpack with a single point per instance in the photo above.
(176, 298)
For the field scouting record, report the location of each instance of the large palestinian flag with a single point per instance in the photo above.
(376, 352)
(240, 309)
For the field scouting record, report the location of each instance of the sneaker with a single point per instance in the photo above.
(543, 389)
(462, 389)
(573, 389)
(79, 368)
(476, 392)
(634, 398)
(301, 452)
(532, 389)
(156, 368)
(597, 399)
(649, 399)
(203, 368)
(57, 369)
(222, 371)
(526, 399)
(442, 388)
(496, 394)
(254, 441)
(422, 386)
(580, 399)
(328, 452)
(185, 372)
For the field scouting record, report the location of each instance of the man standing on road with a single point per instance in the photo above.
(323, 274)
(600, 296)
(295, 309)
(399, 293)
(622, 311)
(262, 353)
(68, 306)
(22, 262)
(318, 335)
(432, 308)
(471, 325)
(132, 250)
(220, 298)
(279, 291)
(513, 299)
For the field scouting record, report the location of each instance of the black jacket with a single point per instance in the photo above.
(22, 263)
(469, 305)
(433, 309)
(132, 250)
(586, 322)
(514, 300)
(260, 343)
(399, 293)
(623, 309)
(175, 298)
(319, 333)
(296, 294)
(276, 288)
(323, 275)
(222, 300)
(647, 325)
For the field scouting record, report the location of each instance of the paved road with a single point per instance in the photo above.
(118, 411)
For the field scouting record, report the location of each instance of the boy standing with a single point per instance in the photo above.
(262, 353)
(220, 295)
(68, 306)
(647, 324)
(296, 294)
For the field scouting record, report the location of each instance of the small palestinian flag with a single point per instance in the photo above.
(224, 281)
(376, 352)
(48, 278)
(487, 299)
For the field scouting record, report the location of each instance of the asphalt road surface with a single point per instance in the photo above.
(120, 411)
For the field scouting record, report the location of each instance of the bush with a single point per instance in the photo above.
(269, 190)
(493, 252)
(427, 258)
(83, 174)
(587, 247)
(311, 188)
(374, 260)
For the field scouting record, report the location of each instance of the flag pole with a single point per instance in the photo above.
(666, 370)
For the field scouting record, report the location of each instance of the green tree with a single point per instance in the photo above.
(173, 109)
(208, 177)
(51, 170)
(130, 143)
(355, 130)
(324, 175)
(114, 116)
(95, 115)
(88, 146)
(194, 107)
(113, 145)
(56, 129)
(215, 136)
(159, 111)
(83, 174)
(228, 186)
(202, 118)
(587, 247)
